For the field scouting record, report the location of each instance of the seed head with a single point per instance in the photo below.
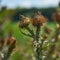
(56, 17)
(38, 19)
(24, 21)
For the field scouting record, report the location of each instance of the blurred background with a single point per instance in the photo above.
(27, 7)
(10, 11)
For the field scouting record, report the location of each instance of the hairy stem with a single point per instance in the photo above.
(38, 49)
(31, 32)
(25, 34)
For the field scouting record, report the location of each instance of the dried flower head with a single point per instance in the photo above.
(56, 17)
(11, 41)
(38, 19)
(47, 30)
(24, 21)
(45, 37)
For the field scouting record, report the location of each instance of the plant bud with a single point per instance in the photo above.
(24, 21)
(38, 20)
(11, 41)
(56, 17)
(47, 30)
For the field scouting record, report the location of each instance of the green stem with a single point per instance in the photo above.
(38, 49)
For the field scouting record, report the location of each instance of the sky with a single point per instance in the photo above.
(29, 3)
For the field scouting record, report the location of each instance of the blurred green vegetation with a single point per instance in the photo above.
(12, 17)
(14, 14)
(24, 42)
